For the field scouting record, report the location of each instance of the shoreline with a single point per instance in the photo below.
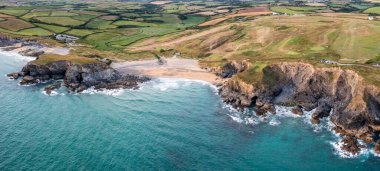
(171, 68)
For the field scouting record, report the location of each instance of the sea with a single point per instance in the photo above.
(165, 124)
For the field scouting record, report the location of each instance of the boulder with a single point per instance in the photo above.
(297, 110)
(48, 89)
(377, 147)
(14, 75)
(28, 80)
(350, 144)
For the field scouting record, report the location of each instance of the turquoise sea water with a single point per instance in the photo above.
(167, 124)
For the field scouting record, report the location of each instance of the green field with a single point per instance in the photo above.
(36, 14)
(285, 10)
(63, 21)
(80, 32)
(53, 28)
(374, 10)
(100, 24)
(14, 12)
(35, 32)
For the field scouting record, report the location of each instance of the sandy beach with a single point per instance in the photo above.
(172, 68)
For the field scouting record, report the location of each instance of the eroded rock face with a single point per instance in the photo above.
(350, 144)
(78, 77)
(377, 147)
(232, 68)
(354, 106)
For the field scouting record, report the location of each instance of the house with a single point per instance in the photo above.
(329, 62)
(66, 38)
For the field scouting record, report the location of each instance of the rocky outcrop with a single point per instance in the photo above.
(77, 77)
(353, 105)
(232, 68)
(377, 147)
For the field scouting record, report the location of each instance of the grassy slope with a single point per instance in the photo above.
(280, 38)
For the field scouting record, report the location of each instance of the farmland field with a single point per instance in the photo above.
(13, 12)
(374, 10)
(100, 24)
(14, 24)
(53, 28)
(63, 21)
(80, 32)
(35, 32)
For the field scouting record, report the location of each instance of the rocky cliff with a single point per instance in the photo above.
(353, 105)
(77, 77)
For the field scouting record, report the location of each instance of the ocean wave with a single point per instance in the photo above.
(17, 56)
(337, 146)
(108, 92)
(165, 84)
(53, 93)
(285, 112)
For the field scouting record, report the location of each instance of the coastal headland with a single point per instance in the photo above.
(258, 57)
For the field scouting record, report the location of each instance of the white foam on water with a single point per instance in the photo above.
(274, 122)
(53, 93)
(108, 92)
(165, 84)
(17, 56)
(283, 112)
(337, 146)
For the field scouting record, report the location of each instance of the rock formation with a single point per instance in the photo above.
(77, 77)
(354, 106)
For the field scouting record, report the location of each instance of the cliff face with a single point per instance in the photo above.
(77, 77)
(354, 106)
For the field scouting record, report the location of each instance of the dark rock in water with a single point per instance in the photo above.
(262, 109)
(28, 80)
(315, 121)
(48, 89)
(350, 144)
(297, 110)
(322, 111)
(352, 104)
(14, 75)
(78, 77)
(377, 147)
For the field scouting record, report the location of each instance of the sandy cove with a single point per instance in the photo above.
(172, 68)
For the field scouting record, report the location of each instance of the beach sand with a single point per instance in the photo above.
(172, 68)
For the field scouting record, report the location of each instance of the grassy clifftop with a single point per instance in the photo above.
(350, 39)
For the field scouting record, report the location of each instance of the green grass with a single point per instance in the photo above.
(62, 14)
(83, 17)
(132, 23)
(165, 18)
(100, 24)
(63, 21)
(361, 6)
(35, 32)
(306, 8)
(281, 9)
(374, 10)
(193, 20)
(47, 58)
(36, 14)
(53, 28)
(14, 12)
(80, 32)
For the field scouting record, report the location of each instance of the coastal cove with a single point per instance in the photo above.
(165, 124)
